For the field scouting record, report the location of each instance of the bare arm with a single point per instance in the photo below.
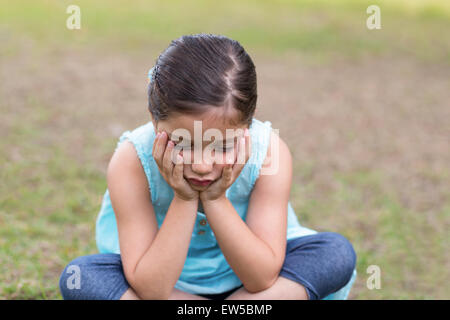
(255, 249)
(152, 259)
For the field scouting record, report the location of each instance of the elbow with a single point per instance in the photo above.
(264, 279)
(146, 289)
(145, 294)
(148, 293)
(260, 284)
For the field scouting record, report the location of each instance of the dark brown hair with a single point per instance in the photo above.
(197, 72)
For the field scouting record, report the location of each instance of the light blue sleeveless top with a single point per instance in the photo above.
(206, 270)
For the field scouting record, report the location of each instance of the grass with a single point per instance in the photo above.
(399, 240)
(322, 29)
(64, 93)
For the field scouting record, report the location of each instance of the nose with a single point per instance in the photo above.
(204, 166)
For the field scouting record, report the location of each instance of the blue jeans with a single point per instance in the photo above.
(322, 263)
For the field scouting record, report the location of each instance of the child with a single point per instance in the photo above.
(216, 227)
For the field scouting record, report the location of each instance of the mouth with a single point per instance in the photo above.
(201, 183)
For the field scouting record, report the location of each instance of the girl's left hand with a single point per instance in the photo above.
(230, 171)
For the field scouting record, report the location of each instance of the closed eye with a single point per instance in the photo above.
(227, 149)
(181, 144)
(216, 148)
(224, 149)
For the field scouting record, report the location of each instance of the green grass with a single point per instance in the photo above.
(323, 29)
(400, 241)
(46, 205)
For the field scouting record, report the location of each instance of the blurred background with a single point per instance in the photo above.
(366, 115)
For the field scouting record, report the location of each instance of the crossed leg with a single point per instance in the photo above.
(282, 289)
(176, 295)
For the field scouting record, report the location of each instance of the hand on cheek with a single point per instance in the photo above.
(172, 169)
(230, 171)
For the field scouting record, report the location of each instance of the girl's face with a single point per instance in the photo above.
(206, 166)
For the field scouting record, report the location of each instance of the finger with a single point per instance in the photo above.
(155, 142)
(178, 169)
(227, 175)
(167, 158)
(156, 145)
(160, 149)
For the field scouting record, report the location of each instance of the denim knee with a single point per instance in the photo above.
(93, 277)
(70, 279)
(343, 253)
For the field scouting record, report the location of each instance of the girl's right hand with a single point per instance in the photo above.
(172, 173)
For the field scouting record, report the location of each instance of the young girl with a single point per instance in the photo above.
(214, 227)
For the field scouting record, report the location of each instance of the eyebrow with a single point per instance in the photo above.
(215, 141)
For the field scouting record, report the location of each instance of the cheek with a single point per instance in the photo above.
(187, 172)
(218, 169)
(230, 157)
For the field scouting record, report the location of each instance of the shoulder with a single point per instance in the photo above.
(126, 165)
(277, 150)
(276, 168)
(134, 151)
(125, 156)
(142, 138)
